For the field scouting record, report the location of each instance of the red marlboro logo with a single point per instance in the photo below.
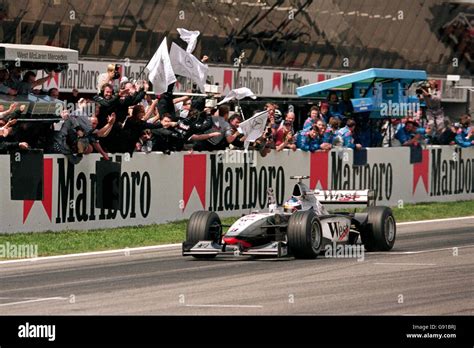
(319, 170)
(56, 80)
(194, 176)
(276, 84)
(47, 191)
(227, 80)
(421, 170)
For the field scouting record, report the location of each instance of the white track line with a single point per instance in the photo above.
(35, 300)
(418, 252)
(223, 306)
(163, 246)
(404, 264)
(95, 253)
(435, 220)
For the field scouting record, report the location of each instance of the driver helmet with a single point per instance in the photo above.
(292, 205)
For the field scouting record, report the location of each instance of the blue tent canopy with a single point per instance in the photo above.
(364, 76)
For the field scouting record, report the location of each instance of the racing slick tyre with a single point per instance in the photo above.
(305, 236)
(204, 225)
(380, 232)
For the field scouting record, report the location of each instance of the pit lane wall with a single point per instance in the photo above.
(157, 188)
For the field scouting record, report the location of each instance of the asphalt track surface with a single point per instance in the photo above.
(429, 271)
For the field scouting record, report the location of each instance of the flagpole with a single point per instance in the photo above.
(183, 94)
(239, 60)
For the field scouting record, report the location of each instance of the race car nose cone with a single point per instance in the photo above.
(234, 241)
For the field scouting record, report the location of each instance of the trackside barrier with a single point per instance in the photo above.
(157, 188)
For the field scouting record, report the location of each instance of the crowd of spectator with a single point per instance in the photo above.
(124, 119)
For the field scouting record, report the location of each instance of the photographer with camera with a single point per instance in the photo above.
(431, 95)
(284, 138)
(108, 77)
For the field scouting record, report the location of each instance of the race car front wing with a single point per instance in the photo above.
(273, 249)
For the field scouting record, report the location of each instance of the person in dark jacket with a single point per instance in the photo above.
(133, 128)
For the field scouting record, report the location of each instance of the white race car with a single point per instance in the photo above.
(301, 228)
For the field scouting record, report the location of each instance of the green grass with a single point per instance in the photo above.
(67, 242)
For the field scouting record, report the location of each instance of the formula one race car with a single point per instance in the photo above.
(301, 228)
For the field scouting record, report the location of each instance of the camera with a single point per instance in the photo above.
(268, 133)
(421, 87)
(211, 91)
(116, 72)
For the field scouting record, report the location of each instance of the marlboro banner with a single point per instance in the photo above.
(157, 188)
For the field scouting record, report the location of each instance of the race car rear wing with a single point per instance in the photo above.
(343, 199)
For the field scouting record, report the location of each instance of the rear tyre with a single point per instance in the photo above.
(305, 237)
(203, 225)
(380, 232)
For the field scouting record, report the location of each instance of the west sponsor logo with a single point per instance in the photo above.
(335, 196)
(244, 186)
(338, 230)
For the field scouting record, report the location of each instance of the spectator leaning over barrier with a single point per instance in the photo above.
(465, 134)
(312, 118)
(91, 137)
(270, 107)
(53, 93)
(133, 128)
(321, 129)
(7, 143)
(107, 102)
(219, 136)
(145, 142)
(166, 138)
(346, 135)
(448, 135)
(428, 135)
(132, 95)
(6, 128)
(288, 141)
(182, 106)
(4, 114)
(389, 130)
(309, 140)
(330, 133)
(29, 82)
(234, 122)
(4, 87)
(407, 135)
(284, 135)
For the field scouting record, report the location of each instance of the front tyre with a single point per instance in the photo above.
(204, 225)
(305, 237)
(380, 232)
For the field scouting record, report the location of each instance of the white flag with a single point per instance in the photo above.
(190, 37)
(161, 72)
(254, 127)
(238, 93)
(185, 64)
